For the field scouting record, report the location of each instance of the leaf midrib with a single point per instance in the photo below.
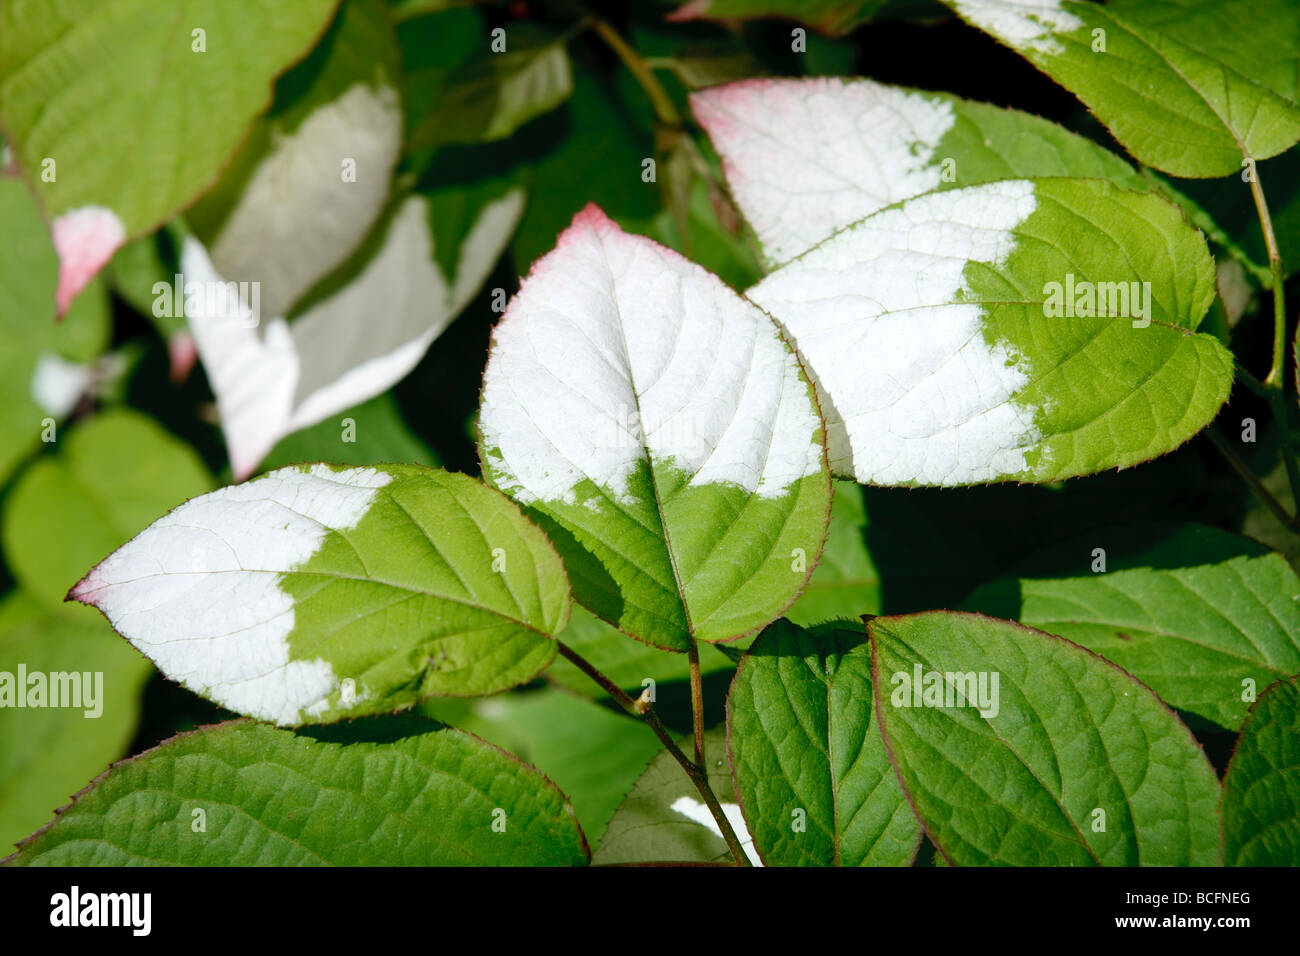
(645, 448)
(1065, 814)
(337, 576)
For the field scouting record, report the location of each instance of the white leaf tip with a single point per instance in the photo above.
(590, 339)
(1023, 24)
(806, 157)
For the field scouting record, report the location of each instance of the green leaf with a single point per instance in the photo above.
(125, 80)
(1187, 86)
(593, 753)
(49, 753)
(664, 819)
(1192, 612)
(494, 93)
(40, 364)
(368, 434)
(395, 792)
(1261, 819)
(1263, 42)
(846, 583)
(809, 764)
(1018, 748)
(315, 593)
(685, 487)
(114, 474)
(807, 157)
(1216, 235)
(312, 178)
(1038, 362)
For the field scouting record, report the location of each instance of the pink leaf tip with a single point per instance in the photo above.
(85, 240)
(589, 216)
(79, 592)
(183, 353)
(688, 11)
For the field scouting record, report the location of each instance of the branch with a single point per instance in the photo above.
(1257, 486)
(664, 108)
(1273, 381)
(642, 709)
(697, 701)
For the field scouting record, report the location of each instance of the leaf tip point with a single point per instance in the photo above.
(591, 216)
(588, 221)
(79, 591)
(85, 239)
(183, 353)
(692, 10)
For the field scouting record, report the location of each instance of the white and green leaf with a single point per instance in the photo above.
(955, 340)
(111, 476)
(372, 431)
(358, 333)
(1191, 87)
(662, 432)
(315, 173)
(805, 158)
(315, 593)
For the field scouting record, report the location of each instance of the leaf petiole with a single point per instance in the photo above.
(1251, 479)
(697, 701)
(1273, 381)
(665, 110)
(694, 770)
